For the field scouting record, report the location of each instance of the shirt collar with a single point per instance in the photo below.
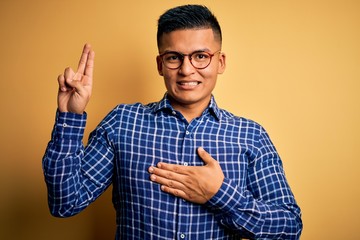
(164, 105)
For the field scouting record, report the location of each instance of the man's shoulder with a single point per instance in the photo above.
(230, 117)
(134, 107)
(132, 110)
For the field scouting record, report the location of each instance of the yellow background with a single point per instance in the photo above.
(293, 66)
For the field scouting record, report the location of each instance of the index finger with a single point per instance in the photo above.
(173, 167)
(86, 63)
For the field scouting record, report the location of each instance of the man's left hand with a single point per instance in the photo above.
(196, 184)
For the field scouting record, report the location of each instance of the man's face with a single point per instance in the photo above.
(188, 86)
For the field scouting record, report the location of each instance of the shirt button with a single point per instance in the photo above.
(65, 125)
(187, 132)
(182, 236)
(185, 164)
(173, 113)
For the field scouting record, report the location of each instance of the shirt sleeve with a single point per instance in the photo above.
(75, 176)
(267, 208)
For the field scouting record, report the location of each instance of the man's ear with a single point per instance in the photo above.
(222, 63)
(159, 66)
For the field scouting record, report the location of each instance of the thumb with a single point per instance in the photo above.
(205, 156)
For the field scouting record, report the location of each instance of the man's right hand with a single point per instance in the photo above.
(75, 87)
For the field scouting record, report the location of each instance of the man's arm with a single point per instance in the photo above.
(75, 176)
(69, 167)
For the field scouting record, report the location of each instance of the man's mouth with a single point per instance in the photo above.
(194, 83)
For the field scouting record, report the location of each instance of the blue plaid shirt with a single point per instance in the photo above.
(254, 201)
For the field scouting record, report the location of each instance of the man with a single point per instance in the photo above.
(181, 168)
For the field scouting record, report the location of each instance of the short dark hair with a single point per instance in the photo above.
(188, 17)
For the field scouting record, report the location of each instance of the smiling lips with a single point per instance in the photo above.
(188, 85)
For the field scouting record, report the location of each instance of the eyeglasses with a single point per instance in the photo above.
(198, 59)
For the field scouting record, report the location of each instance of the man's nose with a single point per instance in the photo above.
(186, 67)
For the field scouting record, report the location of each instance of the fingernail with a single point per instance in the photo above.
(153, 177)
(151, 169)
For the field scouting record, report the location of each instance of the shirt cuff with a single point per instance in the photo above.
(226, 199)
(70, 125)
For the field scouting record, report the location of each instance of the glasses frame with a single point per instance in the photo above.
(189, 56)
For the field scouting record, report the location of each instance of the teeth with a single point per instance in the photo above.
(189, 83)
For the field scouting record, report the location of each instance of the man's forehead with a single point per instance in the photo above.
(199, 38)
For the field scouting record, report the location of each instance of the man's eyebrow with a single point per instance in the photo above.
(202, 50)
(199, 50)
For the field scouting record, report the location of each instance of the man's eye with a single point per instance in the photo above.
(172, 57)
(200, 56)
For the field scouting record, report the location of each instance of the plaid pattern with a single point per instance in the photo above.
(254, 200)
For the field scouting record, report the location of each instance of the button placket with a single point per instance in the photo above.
(187, 151)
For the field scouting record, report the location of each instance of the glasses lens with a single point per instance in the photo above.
(200, 59)
(172, 60)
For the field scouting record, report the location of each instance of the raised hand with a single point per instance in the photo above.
(75, 87)
(193, 183)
